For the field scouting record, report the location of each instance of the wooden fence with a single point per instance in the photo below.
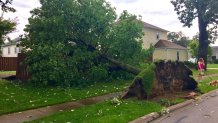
(21, 73)
(8, 63)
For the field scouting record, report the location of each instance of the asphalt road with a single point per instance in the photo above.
(205, 110)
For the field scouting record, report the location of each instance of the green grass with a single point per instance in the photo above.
(18, 97)
(212, 65)
(204, 85)
(208, 72)
(8, 72)
(105, 112)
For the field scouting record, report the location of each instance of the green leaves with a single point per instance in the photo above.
(6, 27)
(68, 38)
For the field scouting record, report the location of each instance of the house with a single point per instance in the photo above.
(214, 53)
(10, 49)
(164, 50)
(152, 35)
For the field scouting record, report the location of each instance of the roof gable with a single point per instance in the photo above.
(167, 44)
(147, 25)
(12, 42)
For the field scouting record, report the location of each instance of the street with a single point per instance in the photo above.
(205, 110)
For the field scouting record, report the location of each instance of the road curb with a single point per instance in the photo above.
(154, 115)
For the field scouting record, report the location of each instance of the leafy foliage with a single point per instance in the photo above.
(5, 7)
(207, 14)
(147, 76)
(193, 48)
(6, 26)
(178, 38)
(68, 40)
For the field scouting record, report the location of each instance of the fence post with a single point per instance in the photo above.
(22, 73)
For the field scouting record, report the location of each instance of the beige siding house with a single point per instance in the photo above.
(164, 50)
(10, 49)
(152, 35)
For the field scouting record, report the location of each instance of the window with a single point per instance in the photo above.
(177, 55)
(19, 50)
(9, 50)
(15, 50)
(158, 35)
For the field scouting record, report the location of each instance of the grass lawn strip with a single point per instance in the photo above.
(8, 72)
(19, 97)
(106, 112)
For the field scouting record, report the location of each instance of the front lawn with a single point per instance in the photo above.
(204, 85)
(18, 97)
(207, 72)
(212, 65)
(105, 112)
(125, 112)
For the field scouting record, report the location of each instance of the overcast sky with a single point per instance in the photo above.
(156, 12)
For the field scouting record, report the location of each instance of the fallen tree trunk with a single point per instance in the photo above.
(168, 76)
(123, 66)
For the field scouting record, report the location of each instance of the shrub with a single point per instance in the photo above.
(98, 73)
(190, 64)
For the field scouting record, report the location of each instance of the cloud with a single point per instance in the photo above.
(157, 12)
(21, 4)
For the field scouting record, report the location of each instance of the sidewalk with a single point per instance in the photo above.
(45, 111)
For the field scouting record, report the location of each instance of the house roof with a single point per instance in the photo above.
(147, 25)
(167, 44)
(12, 42)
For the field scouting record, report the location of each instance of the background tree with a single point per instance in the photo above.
(194, 45)
(6, 26)
(207, 14)
(178, 38)
(74, 42)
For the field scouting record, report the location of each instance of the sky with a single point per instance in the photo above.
(156, 12)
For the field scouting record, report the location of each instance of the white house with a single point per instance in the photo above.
(11, 49)
(164, 50)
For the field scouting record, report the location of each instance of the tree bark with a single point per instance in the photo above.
(203, 35)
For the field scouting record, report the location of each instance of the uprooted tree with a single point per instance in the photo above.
(75, 42)
(161, 77)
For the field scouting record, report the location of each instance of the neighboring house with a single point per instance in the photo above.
(10, 49)
(152, 35)
(214, 52)
(166, 50)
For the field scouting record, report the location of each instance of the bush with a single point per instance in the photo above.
(120, 74)
(190, 64)
(215, 61)
(98, 73)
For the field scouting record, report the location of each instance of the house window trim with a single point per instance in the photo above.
(9, 50)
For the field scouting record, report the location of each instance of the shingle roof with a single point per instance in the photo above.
(167, 44)
(147, 25)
